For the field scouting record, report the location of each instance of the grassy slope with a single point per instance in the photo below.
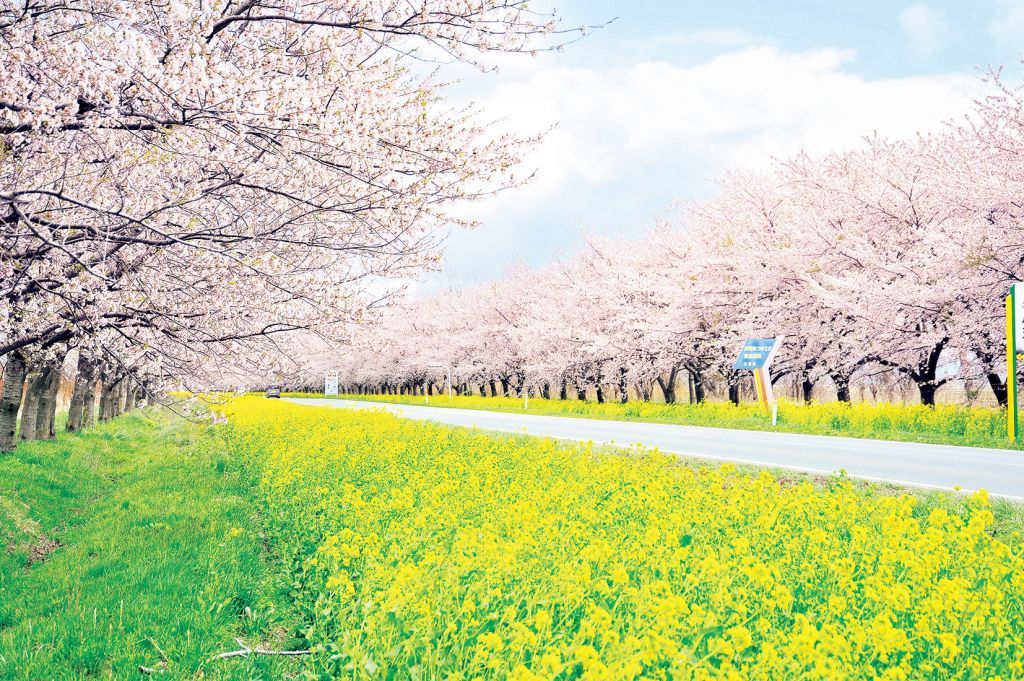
(160, 553)
(946, 424)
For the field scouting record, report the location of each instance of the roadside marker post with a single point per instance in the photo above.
(1014, 323)
(756, 356)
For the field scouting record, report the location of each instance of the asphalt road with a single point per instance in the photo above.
(999, 471)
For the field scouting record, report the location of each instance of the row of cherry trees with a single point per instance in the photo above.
(893, 256)
(187, 186)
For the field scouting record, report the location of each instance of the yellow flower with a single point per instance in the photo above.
(541, 620)
(620, 576)
(508, 557)
(521, 673)
(491, 641)
(950, 647)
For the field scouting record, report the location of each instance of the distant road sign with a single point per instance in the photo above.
(756, 354)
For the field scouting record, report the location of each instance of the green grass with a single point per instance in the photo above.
(943, 424)
(135, 543)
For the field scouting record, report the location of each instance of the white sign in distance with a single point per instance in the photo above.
(331, 383)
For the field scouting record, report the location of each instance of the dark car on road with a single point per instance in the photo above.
(274, 391)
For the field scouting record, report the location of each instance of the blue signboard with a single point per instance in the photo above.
(755, 354)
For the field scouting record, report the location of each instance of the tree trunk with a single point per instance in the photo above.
(494, 388)
(668, 386)
(581, 393)
(504, 386)
(998, 386)
(623, 386)
(122, 396)
(925, 375)
(107, 392)
(89, 401)
(806, 387)
(734, 387)
(131, 399)
(10, 400)
(101, 401)
(600, 394)
(47, 410)
(563, 390)
(129, 396)
(30, 405)
(699, 391)
(116, 396)
(76, 410)
(546, 391)
(644, 390)
(842, 387)
(927, 390)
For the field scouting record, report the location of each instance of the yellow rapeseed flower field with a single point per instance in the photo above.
(426, 552)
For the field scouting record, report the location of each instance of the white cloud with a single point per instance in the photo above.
(1008, 24)
(927, 29)
(739, 109)
(631, 139)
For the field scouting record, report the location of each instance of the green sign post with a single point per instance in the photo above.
(1014, 322)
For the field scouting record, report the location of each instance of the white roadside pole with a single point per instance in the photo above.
(756, 356)
(448, 370)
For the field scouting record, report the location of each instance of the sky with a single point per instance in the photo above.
(652, 108)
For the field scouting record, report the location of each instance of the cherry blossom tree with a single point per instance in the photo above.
(155, 156)
(892, 257)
